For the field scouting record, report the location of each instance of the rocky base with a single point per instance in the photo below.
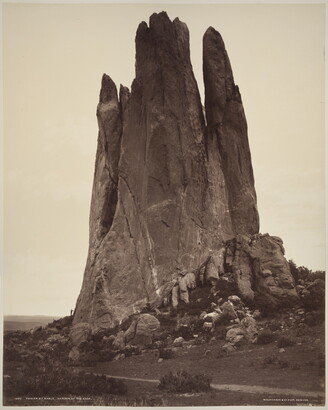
(211, 314)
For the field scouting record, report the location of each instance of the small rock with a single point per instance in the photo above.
(212, 316)
(178, 341)
(282, 350)
(207, 325)
(228, 348)
(119, 356)
(256, 314)
(202, 315)
(160, 360)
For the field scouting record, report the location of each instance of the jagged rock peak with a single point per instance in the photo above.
(108, 91)
(168, 190)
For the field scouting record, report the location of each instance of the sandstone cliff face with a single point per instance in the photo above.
(167, 188)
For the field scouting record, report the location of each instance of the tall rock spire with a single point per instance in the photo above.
(227, 127)
(166, 188)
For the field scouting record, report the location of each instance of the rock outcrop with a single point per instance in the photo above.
(169, 186)
(260, 270)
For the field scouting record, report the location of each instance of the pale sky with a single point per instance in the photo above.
(53, 60)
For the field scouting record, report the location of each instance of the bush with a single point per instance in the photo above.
(183, 382)
(274, 325)
(86, 359)
(283, 364)
(265, 337)
(10, 354)
(128, 351)
(61, 323)
(285, 341)
(269, 360)
(42, 378)
(165, 353)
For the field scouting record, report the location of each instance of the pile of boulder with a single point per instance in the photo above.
(251, 266)
(242, 326)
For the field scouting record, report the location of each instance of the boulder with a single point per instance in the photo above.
(119, 356)
(261, 272)
(119, 342)
(178, 341)
(228, 348)
(228, 311)
(236, 336)
(186, 283)
(80, 333)
(74, 354)
(142, 330)
(215, 266)
(250, 325)
(175, 296)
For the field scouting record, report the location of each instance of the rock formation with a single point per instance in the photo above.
(169, 186)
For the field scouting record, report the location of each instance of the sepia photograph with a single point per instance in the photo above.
(164, 239)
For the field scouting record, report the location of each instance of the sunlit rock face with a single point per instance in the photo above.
(170, 185)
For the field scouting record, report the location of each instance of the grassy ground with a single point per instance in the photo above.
(245, 366)
(299, 367)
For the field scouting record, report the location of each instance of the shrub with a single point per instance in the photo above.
(41, 378)
(274, 325)
(61, 323)
(165, 353)
(10, 354)
(269, 360)
(220, 332)
(285, 341)
(106, 355)
(128, 351)
(87, 359)
(183, 382)
(283, 364)
(265, 337)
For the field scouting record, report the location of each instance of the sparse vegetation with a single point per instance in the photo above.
(165, 353)
(285, 341)
(44, 377)
(283, 364)
(270, 360)
(265, 337)
(183, 382)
